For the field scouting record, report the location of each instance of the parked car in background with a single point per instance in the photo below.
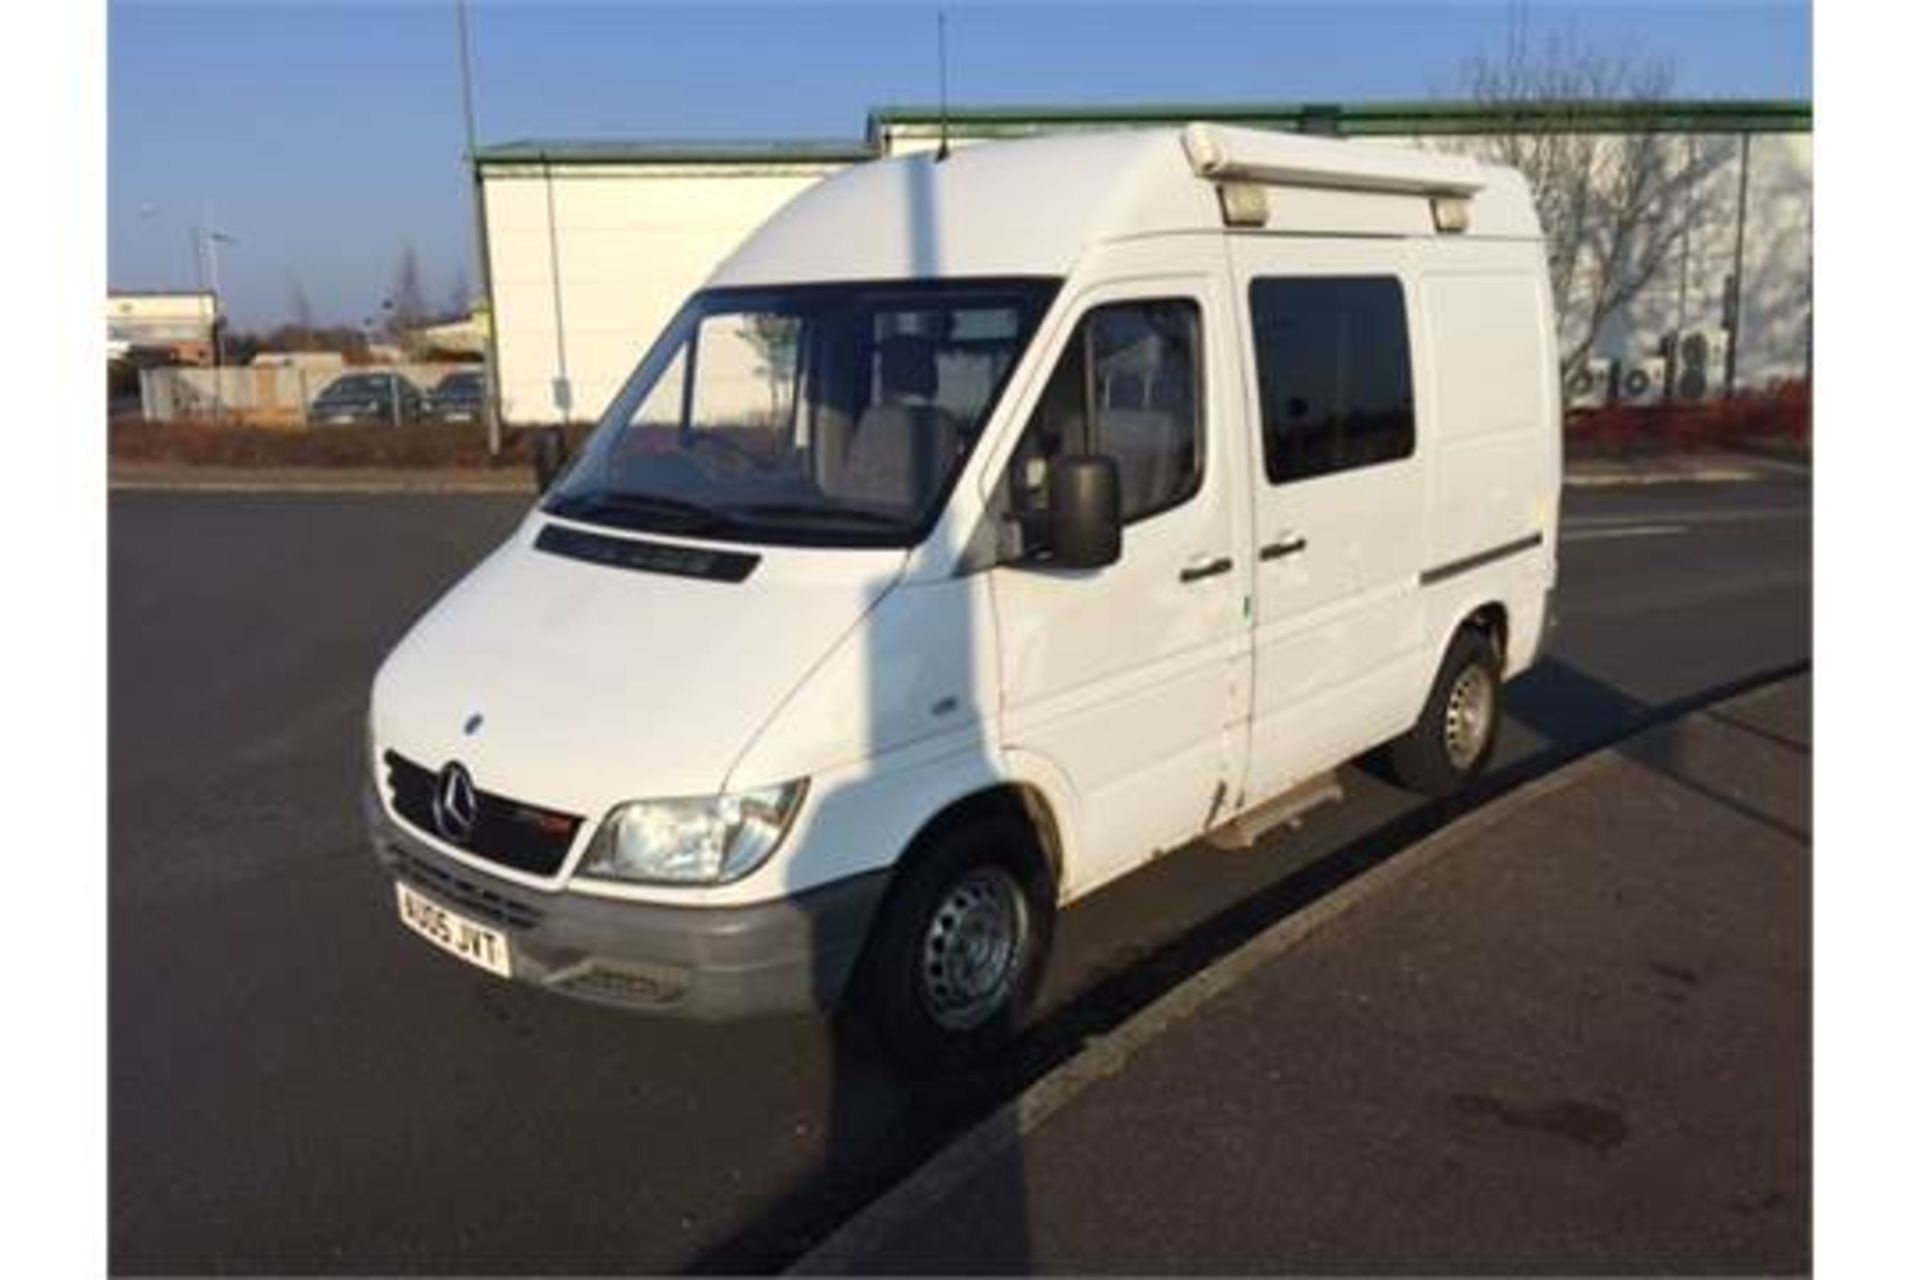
(458, 397)
(368, 398)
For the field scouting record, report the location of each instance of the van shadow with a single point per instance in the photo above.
(882, 1125)
(926, 698)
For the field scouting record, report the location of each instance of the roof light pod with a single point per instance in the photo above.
(1451, 213)
(1242, 204)
(1221, 154)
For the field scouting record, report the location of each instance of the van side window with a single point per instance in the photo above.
(1336, 384)
(1137, 364)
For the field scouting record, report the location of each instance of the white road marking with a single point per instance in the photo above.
(1623, 479)
(1689, 517)
(1623, 531)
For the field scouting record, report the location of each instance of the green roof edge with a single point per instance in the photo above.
(1414, 117)
(1359, 119)
(675, 151)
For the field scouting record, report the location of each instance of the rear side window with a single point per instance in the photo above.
(1336, 382)
(1128, 386)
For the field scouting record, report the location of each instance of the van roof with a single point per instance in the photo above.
(1031, 207)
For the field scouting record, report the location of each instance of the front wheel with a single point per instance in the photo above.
(958, 950)
(1455, 735)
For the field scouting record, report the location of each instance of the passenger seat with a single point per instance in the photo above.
(902, 446)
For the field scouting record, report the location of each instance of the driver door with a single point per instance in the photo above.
(1131, 679)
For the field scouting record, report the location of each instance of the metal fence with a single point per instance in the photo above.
(263, 396)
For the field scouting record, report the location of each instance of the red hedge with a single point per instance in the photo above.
(425, 445)
(1782, 414)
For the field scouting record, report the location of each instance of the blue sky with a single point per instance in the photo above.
(324, 137)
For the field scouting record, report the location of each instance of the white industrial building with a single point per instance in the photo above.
(592, 246)
(178, 326)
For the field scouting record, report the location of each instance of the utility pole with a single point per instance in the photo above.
(213, 241)
(490, 402)
(562, 385)
(944, 151)
(209, 241)
(1686, 233)
(1738, 282)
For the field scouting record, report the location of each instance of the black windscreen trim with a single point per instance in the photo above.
(647, 557)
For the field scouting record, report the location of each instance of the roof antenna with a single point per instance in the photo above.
(944, 150)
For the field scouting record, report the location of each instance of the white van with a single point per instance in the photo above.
(987, 527)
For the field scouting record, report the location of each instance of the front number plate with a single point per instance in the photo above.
(472, 942)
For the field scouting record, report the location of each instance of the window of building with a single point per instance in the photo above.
(1336, 382)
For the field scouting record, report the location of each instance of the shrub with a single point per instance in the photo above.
(1782, 415)
(212, 444)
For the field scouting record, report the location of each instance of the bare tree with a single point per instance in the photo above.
(300, 335)
(407, 302)
(459, 299)
(775, 339)
(1614, 199)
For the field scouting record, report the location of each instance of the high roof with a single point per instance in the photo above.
(1033, 206)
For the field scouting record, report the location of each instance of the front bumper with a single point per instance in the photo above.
(713, 963)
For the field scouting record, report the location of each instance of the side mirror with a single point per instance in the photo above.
(549, 456)
(1083, 511)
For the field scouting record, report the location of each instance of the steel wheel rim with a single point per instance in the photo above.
(1469, 716)
(973, 948)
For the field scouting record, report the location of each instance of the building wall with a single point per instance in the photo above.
(632, 241)
(1776, 311)
(181, 323)
(1689, 295)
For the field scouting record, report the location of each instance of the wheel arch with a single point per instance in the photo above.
(1018, 799)
(1491, 618)
(1487, 614)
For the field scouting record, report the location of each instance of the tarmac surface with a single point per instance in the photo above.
(298, 1085)
(1576, 1040)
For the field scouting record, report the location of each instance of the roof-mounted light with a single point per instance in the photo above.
(1450, 214)
(1243, 204)
(1223, 155)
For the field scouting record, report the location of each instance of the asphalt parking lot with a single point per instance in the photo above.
(298, 1085)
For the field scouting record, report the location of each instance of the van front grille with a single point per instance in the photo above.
(510, 832)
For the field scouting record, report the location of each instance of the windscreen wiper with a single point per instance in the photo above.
(641, 510)
(806, 511)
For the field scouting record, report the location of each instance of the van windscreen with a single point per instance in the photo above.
(812, 414)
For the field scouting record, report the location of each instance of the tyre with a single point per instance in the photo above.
(1455, 734)
(958, 948)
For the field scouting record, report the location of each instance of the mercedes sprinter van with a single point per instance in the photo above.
(985, 527)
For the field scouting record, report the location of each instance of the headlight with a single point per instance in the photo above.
(708, 840)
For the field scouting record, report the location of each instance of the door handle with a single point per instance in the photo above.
(1212, 568)
(1290, 544)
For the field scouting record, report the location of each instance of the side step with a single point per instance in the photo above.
(1285, 809)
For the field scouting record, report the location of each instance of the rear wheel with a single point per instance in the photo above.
(959, 946)
(1457, 728)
